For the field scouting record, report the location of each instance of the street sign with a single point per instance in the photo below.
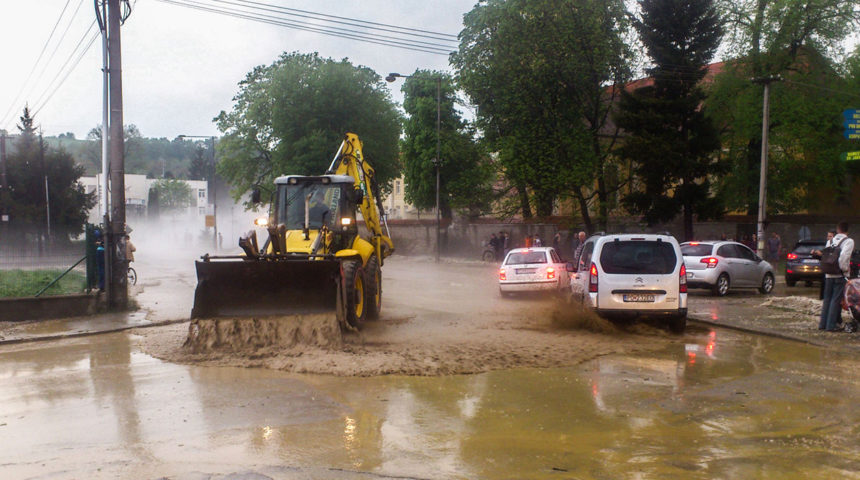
(850, 156)
(851, 124)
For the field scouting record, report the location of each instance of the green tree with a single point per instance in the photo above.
(291, 116)
(541, 74)
(465, 175)
(802, 41)
(133, 160)
(172, 194)
(671, 142)
(29, 168)
(200, 168)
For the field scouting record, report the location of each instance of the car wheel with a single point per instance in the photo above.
(790, 282)
(721, 288)
(678, 324)
(766, 284)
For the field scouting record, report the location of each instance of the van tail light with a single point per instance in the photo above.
(791, 256)
(789, 271)
(550, 273)
(502, 274)
(682, 279)
(592, 279)
(710, 261)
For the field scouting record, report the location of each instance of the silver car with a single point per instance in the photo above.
(724, 265)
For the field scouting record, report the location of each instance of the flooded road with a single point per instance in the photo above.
(713, 404)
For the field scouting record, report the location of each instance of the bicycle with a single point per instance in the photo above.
(132, 276)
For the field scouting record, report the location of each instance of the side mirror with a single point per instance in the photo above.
(570, 267)
(255, 196)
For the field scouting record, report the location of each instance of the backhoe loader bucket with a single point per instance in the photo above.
(266, 288)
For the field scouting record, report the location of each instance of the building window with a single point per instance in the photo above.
(397, 186)
(201, 193)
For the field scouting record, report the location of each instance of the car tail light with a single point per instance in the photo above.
(502, 274)
(789, 271)
(791, 256)
(682, 279)
(592, 279)
(550, 273)
(710, 261)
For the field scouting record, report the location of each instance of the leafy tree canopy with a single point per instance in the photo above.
(291, 116)
(466, 174)
(534, 68)
(172, 194)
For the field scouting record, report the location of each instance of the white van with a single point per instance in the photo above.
(632, 275)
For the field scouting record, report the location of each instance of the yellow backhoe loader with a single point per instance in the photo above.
(314, 260)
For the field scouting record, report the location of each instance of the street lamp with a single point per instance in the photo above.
(213, 187)
(436, 161)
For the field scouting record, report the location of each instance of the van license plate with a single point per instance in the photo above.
(639, 297)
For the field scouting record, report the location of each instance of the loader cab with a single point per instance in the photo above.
(327, 200)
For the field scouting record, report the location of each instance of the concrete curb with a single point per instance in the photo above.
(62, 336)
(765, 332)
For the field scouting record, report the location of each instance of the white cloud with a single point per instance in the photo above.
(182, 66)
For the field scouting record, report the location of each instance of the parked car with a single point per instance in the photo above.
(632, 275)
(724, 265)
(800, 265)
(535, 269)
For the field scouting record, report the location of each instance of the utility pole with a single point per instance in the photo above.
(762, 185)
(438, 162)
(118, 292)
(4, 213)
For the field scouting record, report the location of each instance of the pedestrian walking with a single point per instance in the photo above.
(840, 246)
(496, 245)
(556, 242)
(774, 245)
(578, 249)
(537, 242)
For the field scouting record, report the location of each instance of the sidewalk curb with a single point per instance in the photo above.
(767, 333)
(62, 336)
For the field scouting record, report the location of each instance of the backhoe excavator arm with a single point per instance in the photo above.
(349, 160)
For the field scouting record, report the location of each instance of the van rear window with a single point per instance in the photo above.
(638, 258)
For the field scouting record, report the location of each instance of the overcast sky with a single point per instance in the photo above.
(181, 66)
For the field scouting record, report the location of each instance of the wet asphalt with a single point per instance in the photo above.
(715, 403)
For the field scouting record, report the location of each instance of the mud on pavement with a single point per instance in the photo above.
(438, 319)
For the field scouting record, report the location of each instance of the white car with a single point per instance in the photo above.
(534, 269)
(632, 275)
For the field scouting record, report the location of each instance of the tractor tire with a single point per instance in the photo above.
(373, 275)
(721, 288)
(356, 295)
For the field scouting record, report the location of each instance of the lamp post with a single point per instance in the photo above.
(213, 187)
(436, 161)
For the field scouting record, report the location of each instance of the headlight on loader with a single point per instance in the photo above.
(261, 221)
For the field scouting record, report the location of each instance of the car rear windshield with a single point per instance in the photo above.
(638, 257)
(520, 258)
(697, 250)
(807, 248)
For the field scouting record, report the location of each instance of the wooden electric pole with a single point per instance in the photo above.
(118, 290)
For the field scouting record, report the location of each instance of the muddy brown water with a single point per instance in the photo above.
(718, 404)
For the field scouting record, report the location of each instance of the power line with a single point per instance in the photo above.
(35, 64)
(407, 44)
(327, 30)
(51, 89)
(362, 23)
(841, 92)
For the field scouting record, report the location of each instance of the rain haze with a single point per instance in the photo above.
(182, 61)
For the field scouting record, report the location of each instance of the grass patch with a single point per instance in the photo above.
(26, 283)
